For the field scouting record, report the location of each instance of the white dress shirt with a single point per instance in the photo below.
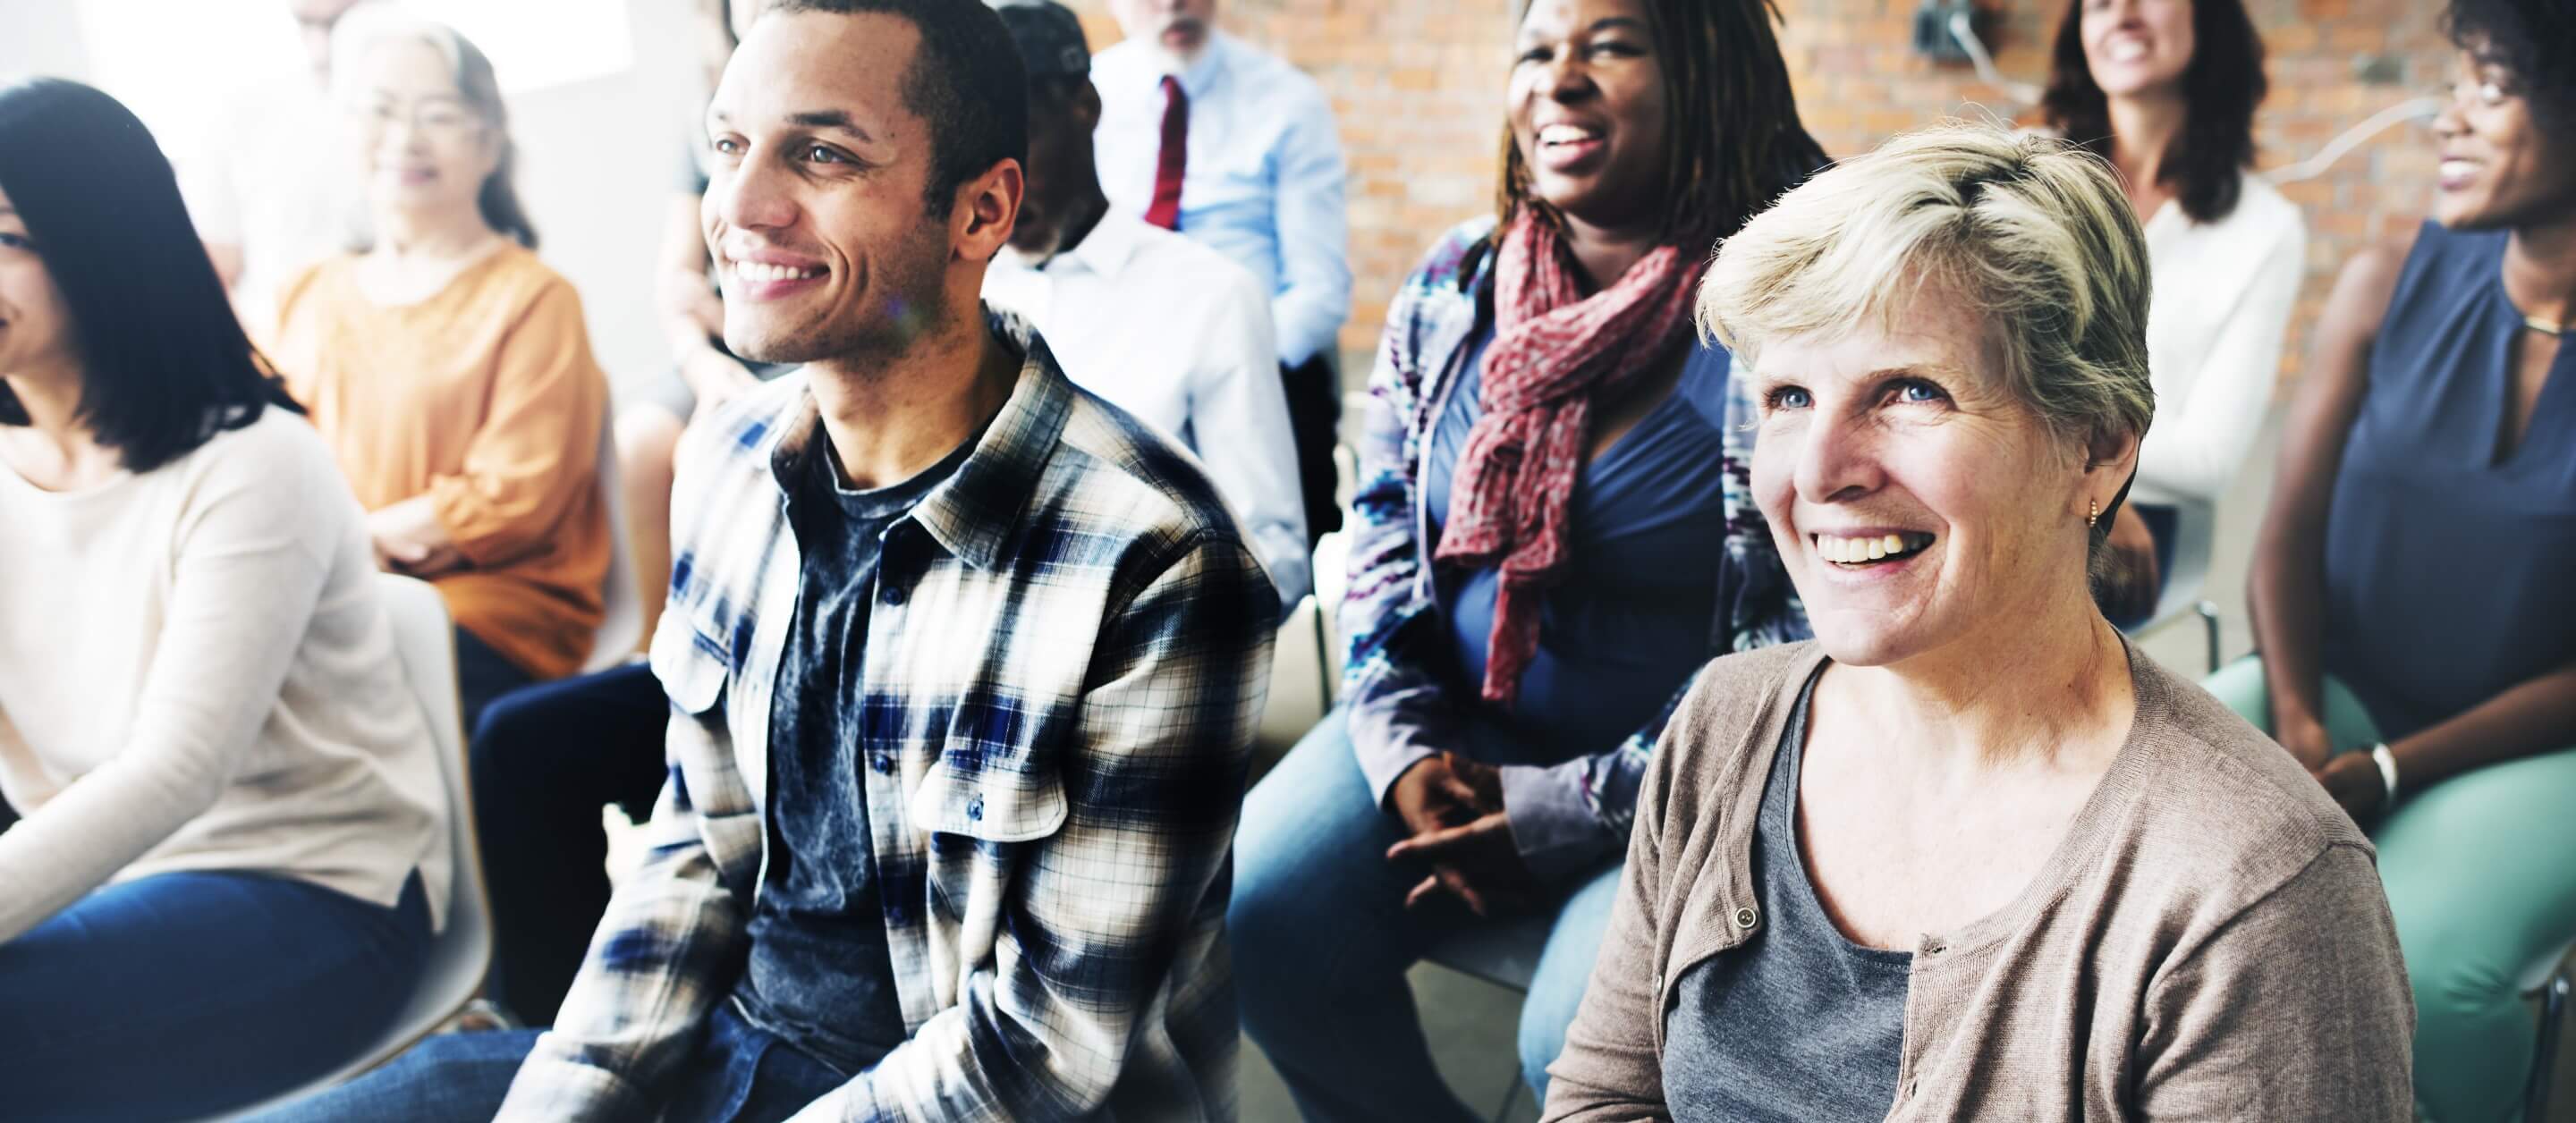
(2223, 295)
(1264, 180)
(1172, 332)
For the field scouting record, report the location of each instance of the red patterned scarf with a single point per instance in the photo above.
(1554, 351)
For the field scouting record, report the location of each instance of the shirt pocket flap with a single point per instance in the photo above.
(965, 794)
(692, 668)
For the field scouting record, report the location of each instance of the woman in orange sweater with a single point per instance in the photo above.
(449, 369)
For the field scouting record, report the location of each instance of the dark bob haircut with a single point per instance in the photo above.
(2535, 41)
(164, 363)
(966, 81)
(1733, 143)
(2220, 89)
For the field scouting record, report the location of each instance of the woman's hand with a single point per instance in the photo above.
(2304, 736)
(410, 540)
(2354, 781)
(1454, 807)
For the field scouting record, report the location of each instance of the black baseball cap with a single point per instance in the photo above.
(1050, 38)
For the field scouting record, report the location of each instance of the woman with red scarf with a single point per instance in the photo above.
(1553, 534)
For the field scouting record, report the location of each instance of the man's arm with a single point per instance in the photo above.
(1104, 908)
(1239, 421)
(1314, 294)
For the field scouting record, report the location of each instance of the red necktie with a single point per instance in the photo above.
(1166, 211)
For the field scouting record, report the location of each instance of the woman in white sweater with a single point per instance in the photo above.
(234, 844)
(2166, 90)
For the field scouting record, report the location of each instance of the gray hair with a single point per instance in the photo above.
(373, 24)
(2032, 234)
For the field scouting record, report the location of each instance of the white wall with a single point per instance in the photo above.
(41, 37)
(598, 163)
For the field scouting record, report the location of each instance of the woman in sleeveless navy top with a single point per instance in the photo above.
(2410, 590)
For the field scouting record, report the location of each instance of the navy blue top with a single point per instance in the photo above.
(820, 974)
(1799, 1025)
(2446, 566)
(1631, 620)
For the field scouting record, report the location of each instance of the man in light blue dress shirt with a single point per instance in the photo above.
(1260, 180)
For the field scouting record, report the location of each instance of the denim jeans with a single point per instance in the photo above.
(483, 675)
(736, 1074)
(184, 994)
(1322, 941)
(544, 761)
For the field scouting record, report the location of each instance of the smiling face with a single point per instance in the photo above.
(2137, 47)
(824, 243)
(35, 324)
(2499, 168)
(1587, 110)
(1178, 28)
(1916, 502)
(423, 148)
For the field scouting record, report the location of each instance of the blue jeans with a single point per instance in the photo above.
(483, 675)
(738, 1073)
(184, 994)
(1322, 941)
(543, 762)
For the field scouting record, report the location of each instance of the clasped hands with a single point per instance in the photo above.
(1453, 807)
(410, 540)
(2351, 778)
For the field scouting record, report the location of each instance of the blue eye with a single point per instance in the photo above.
(1789, 397)
(1917, 391)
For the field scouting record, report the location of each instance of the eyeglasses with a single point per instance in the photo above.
(436, 117)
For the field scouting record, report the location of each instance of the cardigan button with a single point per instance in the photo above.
(1746, 918)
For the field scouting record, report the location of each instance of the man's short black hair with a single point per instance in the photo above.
(967, 83)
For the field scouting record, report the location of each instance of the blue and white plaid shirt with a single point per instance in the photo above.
(1064, 667)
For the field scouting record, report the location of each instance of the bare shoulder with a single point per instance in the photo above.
(2359, 301)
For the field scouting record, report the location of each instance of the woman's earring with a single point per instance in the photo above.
(2094, 515)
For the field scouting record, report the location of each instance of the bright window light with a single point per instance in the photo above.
(176, 62)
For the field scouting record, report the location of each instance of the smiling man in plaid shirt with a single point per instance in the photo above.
(963, 667)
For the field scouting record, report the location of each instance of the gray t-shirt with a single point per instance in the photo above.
(819, 972)
(1801, 1025)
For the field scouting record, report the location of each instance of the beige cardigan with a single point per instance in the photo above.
(2210, 941)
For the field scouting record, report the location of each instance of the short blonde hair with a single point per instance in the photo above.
(2032, 234)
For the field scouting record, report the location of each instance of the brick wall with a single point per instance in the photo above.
(1418, 87)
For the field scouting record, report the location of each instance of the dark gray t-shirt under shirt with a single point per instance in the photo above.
(1800, 1025)
(819, 973)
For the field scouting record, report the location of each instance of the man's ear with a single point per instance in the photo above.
(985, 210)
(1086, 106)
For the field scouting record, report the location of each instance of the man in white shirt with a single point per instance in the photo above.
(1161, 326)
(1234, 148)
(272, 193)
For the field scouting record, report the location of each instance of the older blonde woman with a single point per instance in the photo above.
(1968, 854)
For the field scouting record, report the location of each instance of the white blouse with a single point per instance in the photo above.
(2224, 291)
(197, 673)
